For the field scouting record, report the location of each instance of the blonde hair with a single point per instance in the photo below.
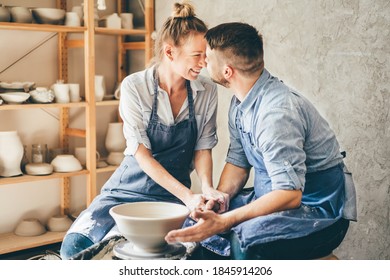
(178, 27)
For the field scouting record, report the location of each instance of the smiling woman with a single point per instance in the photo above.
(169, 115)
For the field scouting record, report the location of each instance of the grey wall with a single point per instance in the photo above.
(336, 53)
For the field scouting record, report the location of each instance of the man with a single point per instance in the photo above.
(301, 204)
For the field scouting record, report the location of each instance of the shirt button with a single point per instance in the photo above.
(286, 162)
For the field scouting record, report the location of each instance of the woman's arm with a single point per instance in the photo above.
(162, 177)
(204, 168)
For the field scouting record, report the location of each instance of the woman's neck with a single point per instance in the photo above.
(170, 81)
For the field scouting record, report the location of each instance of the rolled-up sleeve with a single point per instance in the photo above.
(131, 112)
(208, 133)
(282, 148)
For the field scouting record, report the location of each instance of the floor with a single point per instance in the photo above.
(48, 252)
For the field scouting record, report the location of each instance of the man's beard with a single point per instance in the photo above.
(221, 81)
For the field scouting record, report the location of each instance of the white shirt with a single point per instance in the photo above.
(136, 102)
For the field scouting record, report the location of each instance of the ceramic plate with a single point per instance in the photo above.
(17, 85)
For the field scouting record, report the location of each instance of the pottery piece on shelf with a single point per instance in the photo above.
(101, 164)
(39, 168)
(15, 97)
(29, 227)
(11, 154)
(66, 163)
(26, 86)
(72, 19)
(59, 223)
(100, 88)
(5, 14)
(145, 224)
(111, 21)
(49, 15)
(61, 92)
(115, 158)
(115, 141)
(21, 15)
(42, 96)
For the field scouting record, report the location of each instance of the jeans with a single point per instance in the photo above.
(313, 246)
(74, 243)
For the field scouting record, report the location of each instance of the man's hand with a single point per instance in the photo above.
(209, 223)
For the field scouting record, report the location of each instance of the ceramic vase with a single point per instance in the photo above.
(100, 87)
(115, 141)
(11, 154)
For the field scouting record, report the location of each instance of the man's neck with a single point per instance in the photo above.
(242, 85)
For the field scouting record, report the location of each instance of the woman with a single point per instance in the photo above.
(169, 115)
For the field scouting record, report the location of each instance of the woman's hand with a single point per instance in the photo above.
(216, 200)
(195, 202)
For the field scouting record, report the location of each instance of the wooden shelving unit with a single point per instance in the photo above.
(9, 242)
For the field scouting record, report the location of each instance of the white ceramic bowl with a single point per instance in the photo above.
(59, 223)
(42, 96)
(146, 224)
(29, 227)
(66, 163)
(49, 15)
(39, 168)
(15, 97)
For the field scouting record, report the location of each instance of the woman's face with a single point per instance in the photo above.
(189, 58)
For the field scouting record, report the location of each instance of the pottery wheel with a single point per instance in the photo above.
(127, 251)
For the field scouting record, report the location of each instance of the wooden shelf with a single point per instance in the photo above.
(108, 103)
(41, 27)
(32, 178)
(47, 105)
(109, 168)
(110, 31)
(9, 242)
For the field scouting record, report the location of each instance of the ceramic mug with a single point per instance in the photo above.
(74, 92)
(127, 21)
(81, 155)
(61, 93)
(72, 19)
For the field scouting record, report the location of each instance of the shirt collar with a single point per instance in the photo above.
(254, 93)
(196, 85)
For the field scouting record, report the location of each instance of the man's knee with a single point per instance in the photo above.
(74, 243)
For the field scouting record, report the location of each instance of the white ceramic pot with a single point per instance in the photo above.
(115, 141)
(11, 154)
(100, 88)
(59, 223)
(115, 158)
(29, 227)
(66, 163)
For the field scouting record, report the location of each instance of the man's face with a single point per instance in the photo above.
(215, 67)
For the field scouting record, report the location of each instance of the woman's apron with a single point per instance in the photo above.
(322, 204)
(172, 146)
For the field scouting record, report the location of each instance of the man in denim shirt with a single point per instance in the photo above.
(302, 201)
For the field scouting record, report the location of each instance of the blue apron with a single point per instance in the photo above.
(322, 204)
(172, 146)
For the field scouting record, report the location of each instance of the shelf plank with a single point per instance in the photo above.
(46, 105)
(9, 242)
(110, 168)
(32, 178)
(110, 31)
(108, 103)
(41, 27)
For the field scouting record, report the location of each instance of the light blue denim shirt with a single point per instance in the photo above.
(286, 129)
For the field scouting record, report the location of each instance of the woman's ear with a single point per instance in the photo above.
(168, 51)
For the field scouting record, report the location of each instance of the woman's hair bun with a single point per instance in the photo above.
(183, 10)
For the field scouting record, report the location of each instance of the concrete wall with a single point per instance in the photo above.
(336, 53)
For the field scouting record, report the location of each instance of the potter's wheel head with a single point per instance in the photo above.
(127, 251)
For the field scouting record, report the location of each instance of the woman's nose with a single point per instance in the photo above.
(202, 61)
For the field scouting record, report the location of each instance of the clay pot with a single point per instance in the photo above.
(11, 154)
(115, 141)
